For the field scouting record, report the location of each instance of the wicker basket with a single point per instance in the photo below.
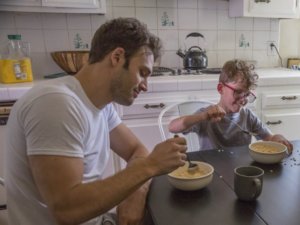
(70, 61)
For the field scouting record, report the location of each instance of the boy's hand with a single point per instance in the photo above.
(215, 113)
(279, 138)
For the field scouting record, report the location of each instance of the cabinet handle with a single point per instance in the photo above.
(289, 97)
(266, 1)
(274, 123)
(160, 105)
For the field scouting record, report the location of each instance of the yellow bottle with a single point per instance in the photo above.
(15, 67)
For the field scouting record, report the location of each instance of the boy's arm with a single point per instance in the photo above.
(212, 113)
(184, 123)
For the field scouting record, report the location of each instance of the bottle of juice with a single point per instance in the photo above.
(15, 64)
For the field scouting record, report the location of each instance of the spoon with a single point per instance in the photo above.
(192, 166)
(242, 129)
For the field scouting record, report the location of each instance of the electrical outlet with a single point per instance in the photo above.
(271, 51)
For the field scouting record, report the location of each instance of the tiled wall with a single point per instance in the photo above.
(171, 20)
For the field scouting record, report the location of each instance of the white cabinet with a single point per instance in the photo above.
(285, 122)
(264, 8)
(281, 111)
(11, 3)
(54, 6)
(141, 117)
(92, 4)
(147, 132)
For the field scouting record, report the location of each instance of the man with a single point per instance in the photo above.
(216, 124)
(61, 133)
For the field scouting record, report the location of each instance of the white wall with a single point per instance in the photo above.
(289, 45)
(171, 20)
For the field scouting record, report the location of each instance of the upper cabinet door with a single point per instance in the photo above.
(264, 8)
(71, 3)
(54, 6)
(20, 3)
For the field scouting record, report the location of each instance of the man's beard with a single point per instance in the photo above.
(123, 101)
(119, 93)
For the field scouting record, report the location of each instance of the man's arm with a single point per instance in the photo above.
(127, 146)
(59, 181)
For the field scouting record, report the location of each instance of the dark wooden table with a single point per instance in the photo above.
(217, 204)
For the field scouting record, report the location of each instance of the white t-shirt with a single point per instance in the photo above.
(54, 118)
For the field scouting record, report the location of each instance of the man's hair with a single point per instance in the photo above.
(127, 33)
(239, 69)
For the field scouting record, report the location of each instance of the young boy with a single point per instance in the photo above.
(213, 124)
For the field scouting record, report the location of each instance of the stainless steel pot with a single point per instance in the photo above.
(195, 57)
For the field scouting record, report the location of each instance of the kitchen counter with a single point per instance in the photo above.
(267, 77)
(14, 91)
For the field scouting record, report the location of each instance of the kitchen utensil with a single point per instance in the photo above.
(248, 182)
(191, 166)
(267, 152)
(211, 71)
(160, 71)
(55, 75)
(195, 57)
(183, 179)
(242, 129)
(70, 61)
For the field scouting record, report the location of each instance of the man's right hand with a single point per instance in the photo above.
(168, 155)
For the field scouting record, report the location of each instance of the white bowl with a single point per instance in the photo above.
(267, 152)
(186, 180)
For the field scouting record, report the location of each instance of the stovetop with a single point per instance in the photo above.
(165, 71)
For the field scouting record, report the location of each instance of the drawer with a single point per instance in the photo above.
(281, 100)
(150, 107)
(146, 108)
(283, 121)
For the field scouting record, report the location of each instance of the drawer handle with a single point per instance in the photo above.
(289, 97)
(274, 123)
(267, 1)
(160, 105)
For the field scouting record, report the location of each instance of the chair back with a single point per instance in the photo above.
(180, 109)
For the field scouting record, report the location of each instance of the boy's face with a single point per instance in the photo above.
(233, 95)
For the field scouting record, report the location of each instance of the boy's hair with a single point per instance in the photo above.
(127, 33)
(239, 69)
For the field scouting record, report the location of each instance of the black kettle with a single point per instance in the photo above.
(195, 57)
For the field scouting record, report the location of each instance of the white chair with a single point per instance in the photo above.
(180, 109)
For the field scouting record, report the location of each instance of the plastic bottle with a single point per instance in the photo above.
(15, 65)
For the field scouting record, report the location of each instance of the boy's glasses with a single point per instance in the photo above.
(238, 94)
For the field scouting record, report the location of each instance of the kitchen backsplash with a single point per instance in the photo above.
(225, 38)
